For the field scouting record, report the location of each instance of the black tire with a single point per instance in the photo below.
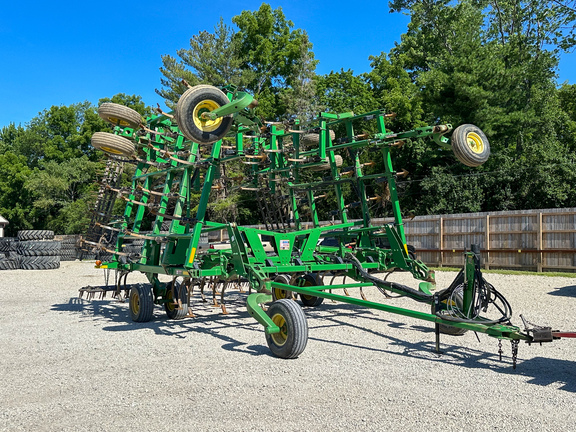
(38, 248)
(180, 293)
(40, 262)
(141, 303)
(450, 330)
(35, 235)
(470, 145)
(120, 115)
(337, 159)
(113, 144)
(279, 294)
(310, 279)
(70, 240)
(192, 104)
(68, 255)
(7, 244)
(9, 264)
(313, 138)
(293, 336)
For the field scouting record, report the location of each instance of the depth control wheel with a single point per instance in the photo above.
(177, 296)
(192, 104)
(120, 115)
(456, 302)
(291, 341)
(113, 144)
(470, 145)
(307, 280)
(141, 303)
(278, 293)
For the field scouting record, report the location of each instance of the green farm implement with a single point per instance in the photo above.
(291, 170)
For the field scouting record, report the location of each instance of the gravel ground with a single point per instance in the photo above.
(75, 365)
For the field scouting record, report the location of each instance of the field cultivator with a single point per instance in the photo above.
(291, 170)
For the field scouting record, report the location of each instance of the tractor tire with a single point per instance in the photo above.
(68, 255)
(195, 101)
(470, 145)
(293, 336)
(38, 248)
(120, 115)
(313, 139)
(40, 262)
(35, 235)
(176, 311)
(8, 244)
(113, 144)
(141, 303)
(10, 263)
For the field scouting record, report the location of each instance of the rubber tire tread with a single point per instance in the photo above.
(185, 108)
(313, 301)
(297, 337)
(285, 279)
(337, 159)
(182, 293)
(462, 150)
(313, 138)
(110, 111)
(35, 235)
(7, 244)
(9, 264)
(40, 262)
(120, 145)
(146, 309)
(39, 248)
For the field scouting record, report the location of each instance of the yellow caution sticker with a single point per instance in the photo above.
(192, 254)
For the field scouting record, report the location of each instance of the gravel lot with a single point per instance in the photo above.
(72, 364)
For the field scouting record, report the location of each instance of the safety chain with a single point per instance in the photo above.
(500, 348)
(515, 344)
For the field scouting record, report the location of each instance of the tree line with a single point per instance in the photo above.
(489, 63)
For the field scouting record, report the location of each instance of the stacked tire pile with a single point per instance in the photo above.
(68, 249)
(32, 250)
(9, 258)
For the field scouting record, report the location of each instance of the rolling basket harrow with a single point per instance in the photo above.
(180, 161)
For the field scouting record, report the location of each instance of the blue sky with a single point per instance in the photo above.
(63, 52)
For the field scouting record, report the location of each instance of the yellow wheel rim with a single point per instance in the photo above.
(280, 338)
(475, 142)
(280, 293)
(170, 304)
(111, 150)
(135, 303)
(205, 125)
(118, 121)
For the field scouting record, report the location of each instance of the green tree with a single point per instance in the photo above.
(14, 198)
(61, 193)
(266, 56)
(492, 63)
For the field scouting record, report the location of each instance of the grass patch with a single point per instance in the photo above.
(511, 272)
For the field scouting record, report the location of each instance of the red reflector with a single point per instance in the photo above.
(211, 247)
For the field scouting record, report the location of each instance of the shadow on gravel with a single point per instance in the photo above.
(567, 291)
(208, 320)
(541, 371)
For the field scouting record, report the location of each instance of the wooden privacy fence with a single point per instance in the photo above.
(534, 240)
(540, 240)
